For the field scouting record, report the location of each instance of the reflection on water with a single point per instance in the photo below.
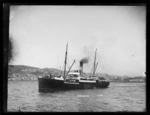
(118, 97)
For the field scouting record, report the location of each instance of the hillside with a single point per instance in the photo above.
(22, 72)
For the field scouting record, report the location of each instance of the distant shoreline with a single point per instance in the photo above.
(110, 81)
(127, 82)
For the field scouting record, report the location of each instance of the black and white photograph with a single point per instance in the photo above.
(77, 58)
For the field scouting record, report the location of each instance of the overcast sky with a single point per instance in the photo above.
(40, 34)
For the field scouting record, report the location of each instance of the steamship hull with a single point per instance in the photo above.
(46, 84)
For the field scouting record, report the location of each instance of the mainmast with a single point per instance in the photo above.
(96, 67)
(94, 63)
(65, 60)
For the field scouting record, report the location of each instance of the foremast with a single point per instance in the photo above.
(65, 61)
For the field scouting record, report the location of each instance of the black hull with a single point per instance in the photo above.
(46, 84)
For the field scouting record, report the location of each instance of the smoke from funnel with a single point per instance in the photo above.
(84, 60)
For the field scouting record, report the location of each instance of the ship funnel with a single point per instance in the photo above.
(81, 68)
(83, 60)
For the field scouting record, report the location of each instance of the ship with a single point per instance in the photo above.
(72, 79)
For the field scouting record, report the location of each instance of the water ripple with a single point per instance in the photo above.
(118, 97)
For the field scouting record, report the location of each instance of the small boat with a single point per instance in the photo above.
(72, 79)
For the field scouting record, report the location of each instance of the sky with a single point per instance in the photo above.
(40, 34)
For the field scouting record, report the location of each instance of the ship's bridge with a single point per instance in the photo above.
(74, 72)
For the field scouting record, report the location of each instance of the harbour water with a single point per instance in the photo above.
(129, 97)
